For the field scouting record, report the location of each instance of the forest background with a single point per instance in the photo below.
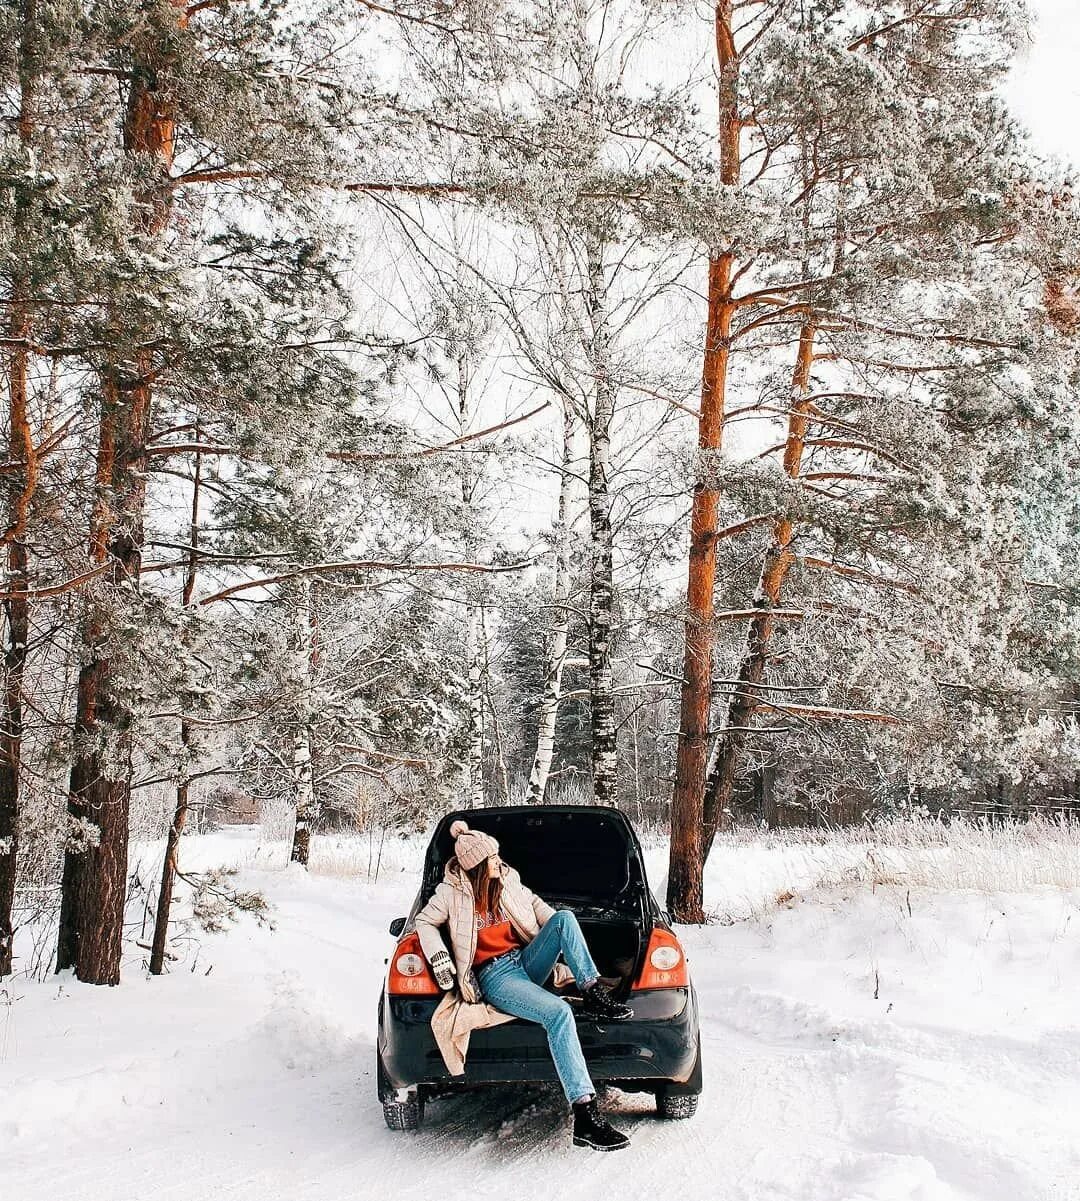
(428, 405)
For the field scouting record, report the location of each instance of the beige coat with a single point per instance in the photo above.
(461, 1010)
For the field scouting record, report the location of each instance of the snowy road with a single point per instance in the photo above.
(959, 1082)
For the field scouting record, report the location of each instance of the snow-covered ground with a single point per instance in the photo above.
(863, 1042)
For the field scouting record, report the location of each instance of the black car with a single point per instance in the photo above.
(584, 858)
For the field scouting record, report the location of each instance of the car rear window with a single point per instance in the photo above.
(559, 854)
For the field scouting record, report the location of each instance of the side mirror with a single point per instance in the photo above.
(397, 925)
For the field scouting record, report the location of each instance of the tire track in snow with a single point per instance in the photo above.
(911, 1099)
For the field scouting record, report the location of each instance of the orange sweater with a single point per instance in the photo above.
(494, 936)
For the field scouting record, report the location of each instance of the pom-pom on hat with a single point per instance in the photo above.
(471, 846)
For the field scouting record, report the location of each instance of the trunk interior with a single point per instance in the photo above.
(579, 856)
(615, 942)
(616, 947)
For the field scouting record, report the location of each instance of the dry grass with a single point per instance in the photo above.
(915, 852)
(373, 855)
(927, 853)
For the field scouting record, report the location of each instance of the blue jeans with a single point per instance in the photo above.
(513, 984)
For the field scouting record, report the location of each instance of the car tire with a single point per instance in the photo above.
(676, 1106)
(404, 1115)
(407, 1114)
(677, 1100)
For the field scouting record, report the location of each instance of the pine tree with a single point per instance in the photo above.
(821, 269)
(199, 107)
(52, 220)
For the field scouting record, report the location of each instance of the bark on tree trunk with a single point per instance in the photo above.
(21, 449)
(496, 728)
(305, 800)
(306, 810)
(474, 655)
(686, 862)
(169, 869)
(9, 808)
(474, 769)
(17, 609)
(747, 694)
(95, 878)
(94, 882)
(560, 626)
(180, 813)
(601, 592)
(87, 689)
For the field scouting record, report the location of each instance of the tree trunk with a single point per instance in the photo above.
(168, 870)
(747, 695)
(474, 655)
(474, 663)
(95, 877)
(94, 882)
(21, 450)
(180, 813)
(17, 609)
(87, 690)
(560, 626)
(496, 726)
(686, 862)
(601, 589)
(304, 798)
(306, 806)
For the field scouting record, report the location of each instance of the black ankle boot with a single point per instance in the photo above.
(591, 1130)
(599, 1003)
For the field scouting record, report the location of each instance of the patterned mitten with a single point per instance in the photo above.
(443, 968)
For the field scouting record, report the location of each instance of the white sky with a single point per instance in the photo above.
(1045, 86)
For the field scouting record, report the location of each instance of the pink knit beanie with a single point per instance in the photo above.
(472, 846)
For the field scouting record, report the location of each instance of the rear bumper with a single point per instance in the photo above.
(659, 1044)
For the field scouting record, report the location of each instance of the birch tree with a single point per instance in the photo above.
(558, 628)
(576, 314)
(456, 363)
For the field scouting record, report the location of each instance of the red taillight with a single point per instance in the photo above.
(410, 975)
(665, 963)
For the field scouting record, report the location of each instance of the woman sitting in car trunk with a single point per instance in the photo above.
(505, 942)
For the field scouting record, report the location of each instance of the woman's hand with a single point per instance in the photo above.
(442, 967)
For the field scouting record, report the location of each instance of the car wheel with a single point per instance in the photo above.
(404, 1115)
(676, 1106)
